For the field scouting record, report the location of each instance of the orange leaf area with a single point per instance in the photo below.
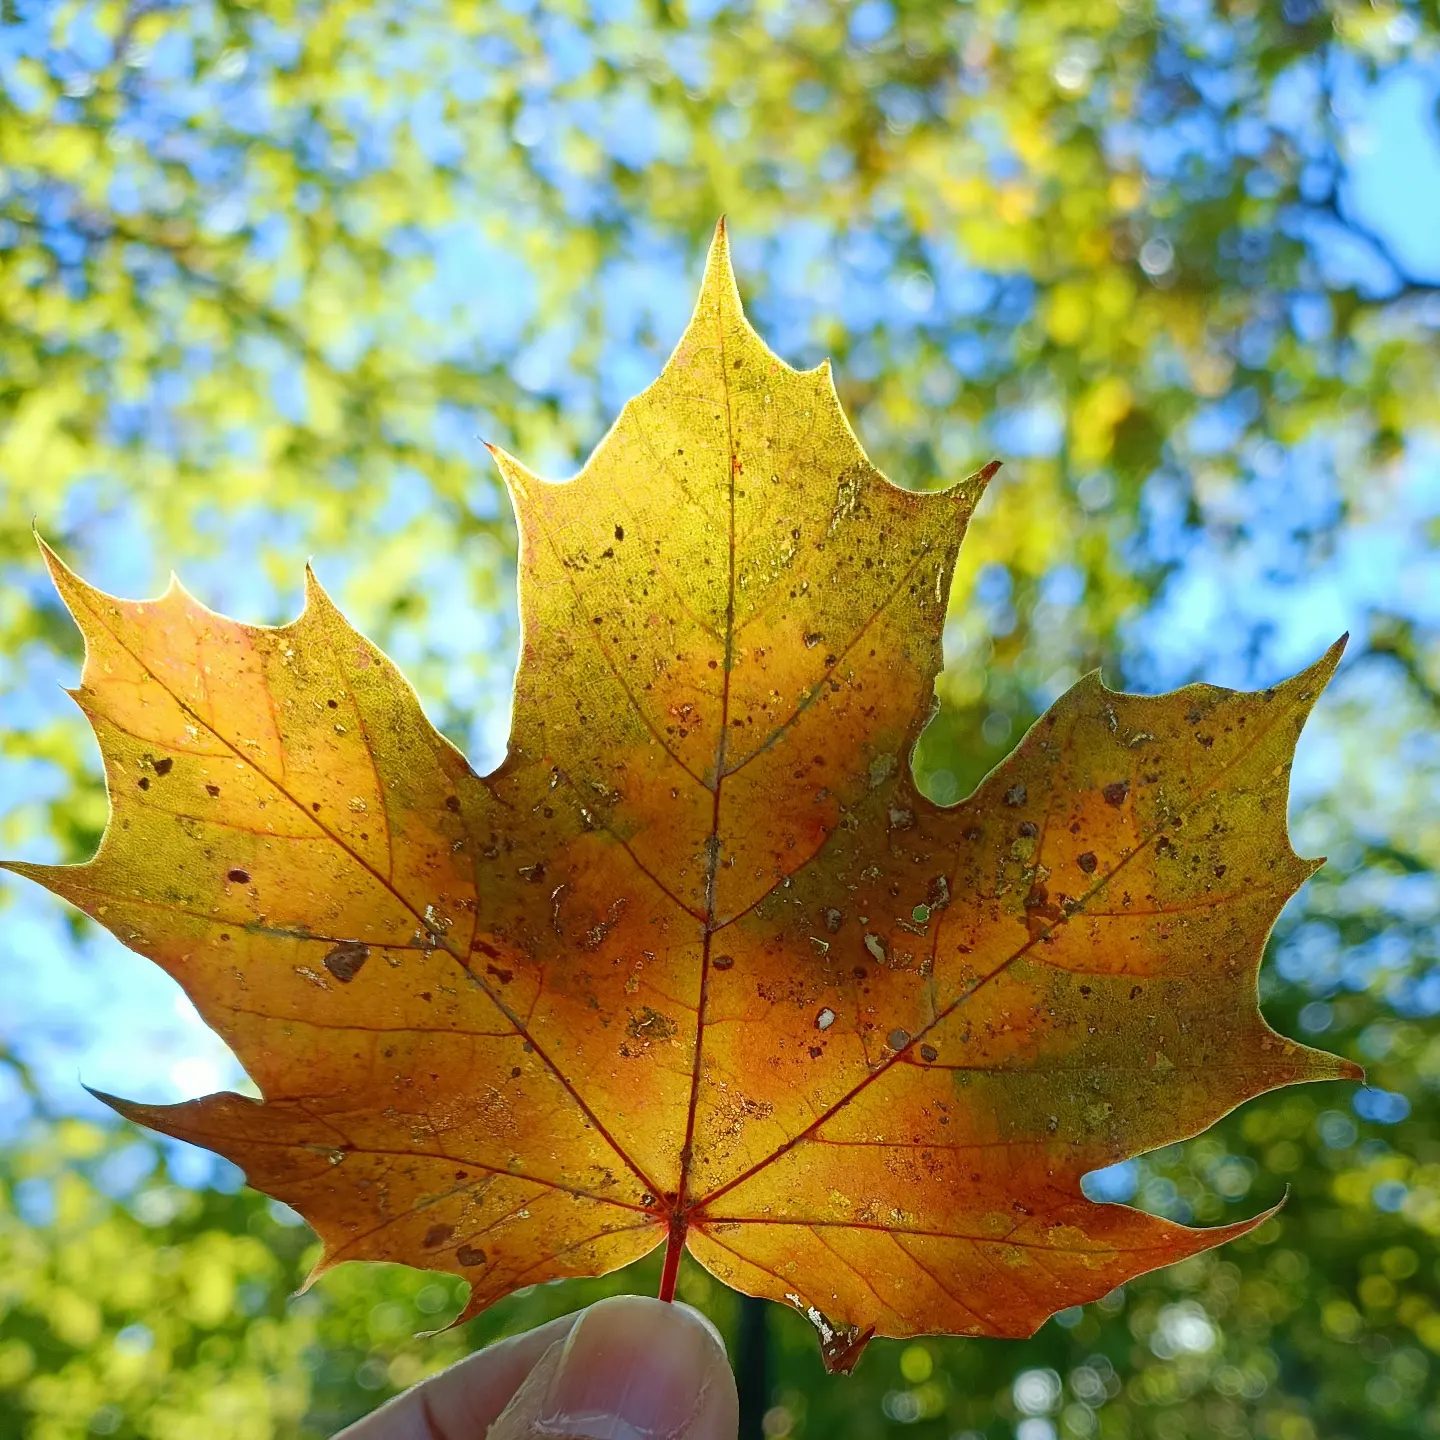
(698, 964)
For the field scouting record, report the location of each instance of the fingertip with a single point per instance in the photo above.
(631, 1368)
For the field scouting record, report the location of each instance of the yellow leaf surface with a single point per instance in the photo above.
(697, 965)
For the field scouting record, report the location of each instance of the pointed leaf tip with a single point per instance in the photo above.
(518, 477)
(842, 1354)
(314, 590)
(1245, 1227)
(968, 492)
(1319, 672)
(114, 1102)
(979, 481)
(323, 1264)
(53, 562)
(719, 286)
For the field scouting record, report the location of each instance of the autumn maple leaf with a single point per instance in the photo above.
(697, 965)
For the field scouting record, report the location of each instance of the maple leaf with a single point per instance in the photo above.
(697, 964)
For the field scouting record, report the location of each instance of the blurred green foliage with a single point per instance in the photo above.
(266, 271)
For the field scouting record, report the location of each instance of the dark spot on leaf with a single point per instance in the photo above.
(929, 1054)
(1087, 862)
(723, 962)
(648, 1024)
(240, 877)
(1116, 792)
(619, 532)
(452, 803)
(345, 960)
(503, 975)
(212, 790)
(333, 704)
(164, 766)
(437, 1235)
(470, 1255)
(143, 782)
(1028, 830)
(1015, 795)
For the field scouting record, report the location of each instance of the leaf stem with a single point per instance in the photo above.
(674, 1249)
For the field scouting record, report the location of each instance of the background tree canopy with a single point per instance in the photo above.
(268, 272)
